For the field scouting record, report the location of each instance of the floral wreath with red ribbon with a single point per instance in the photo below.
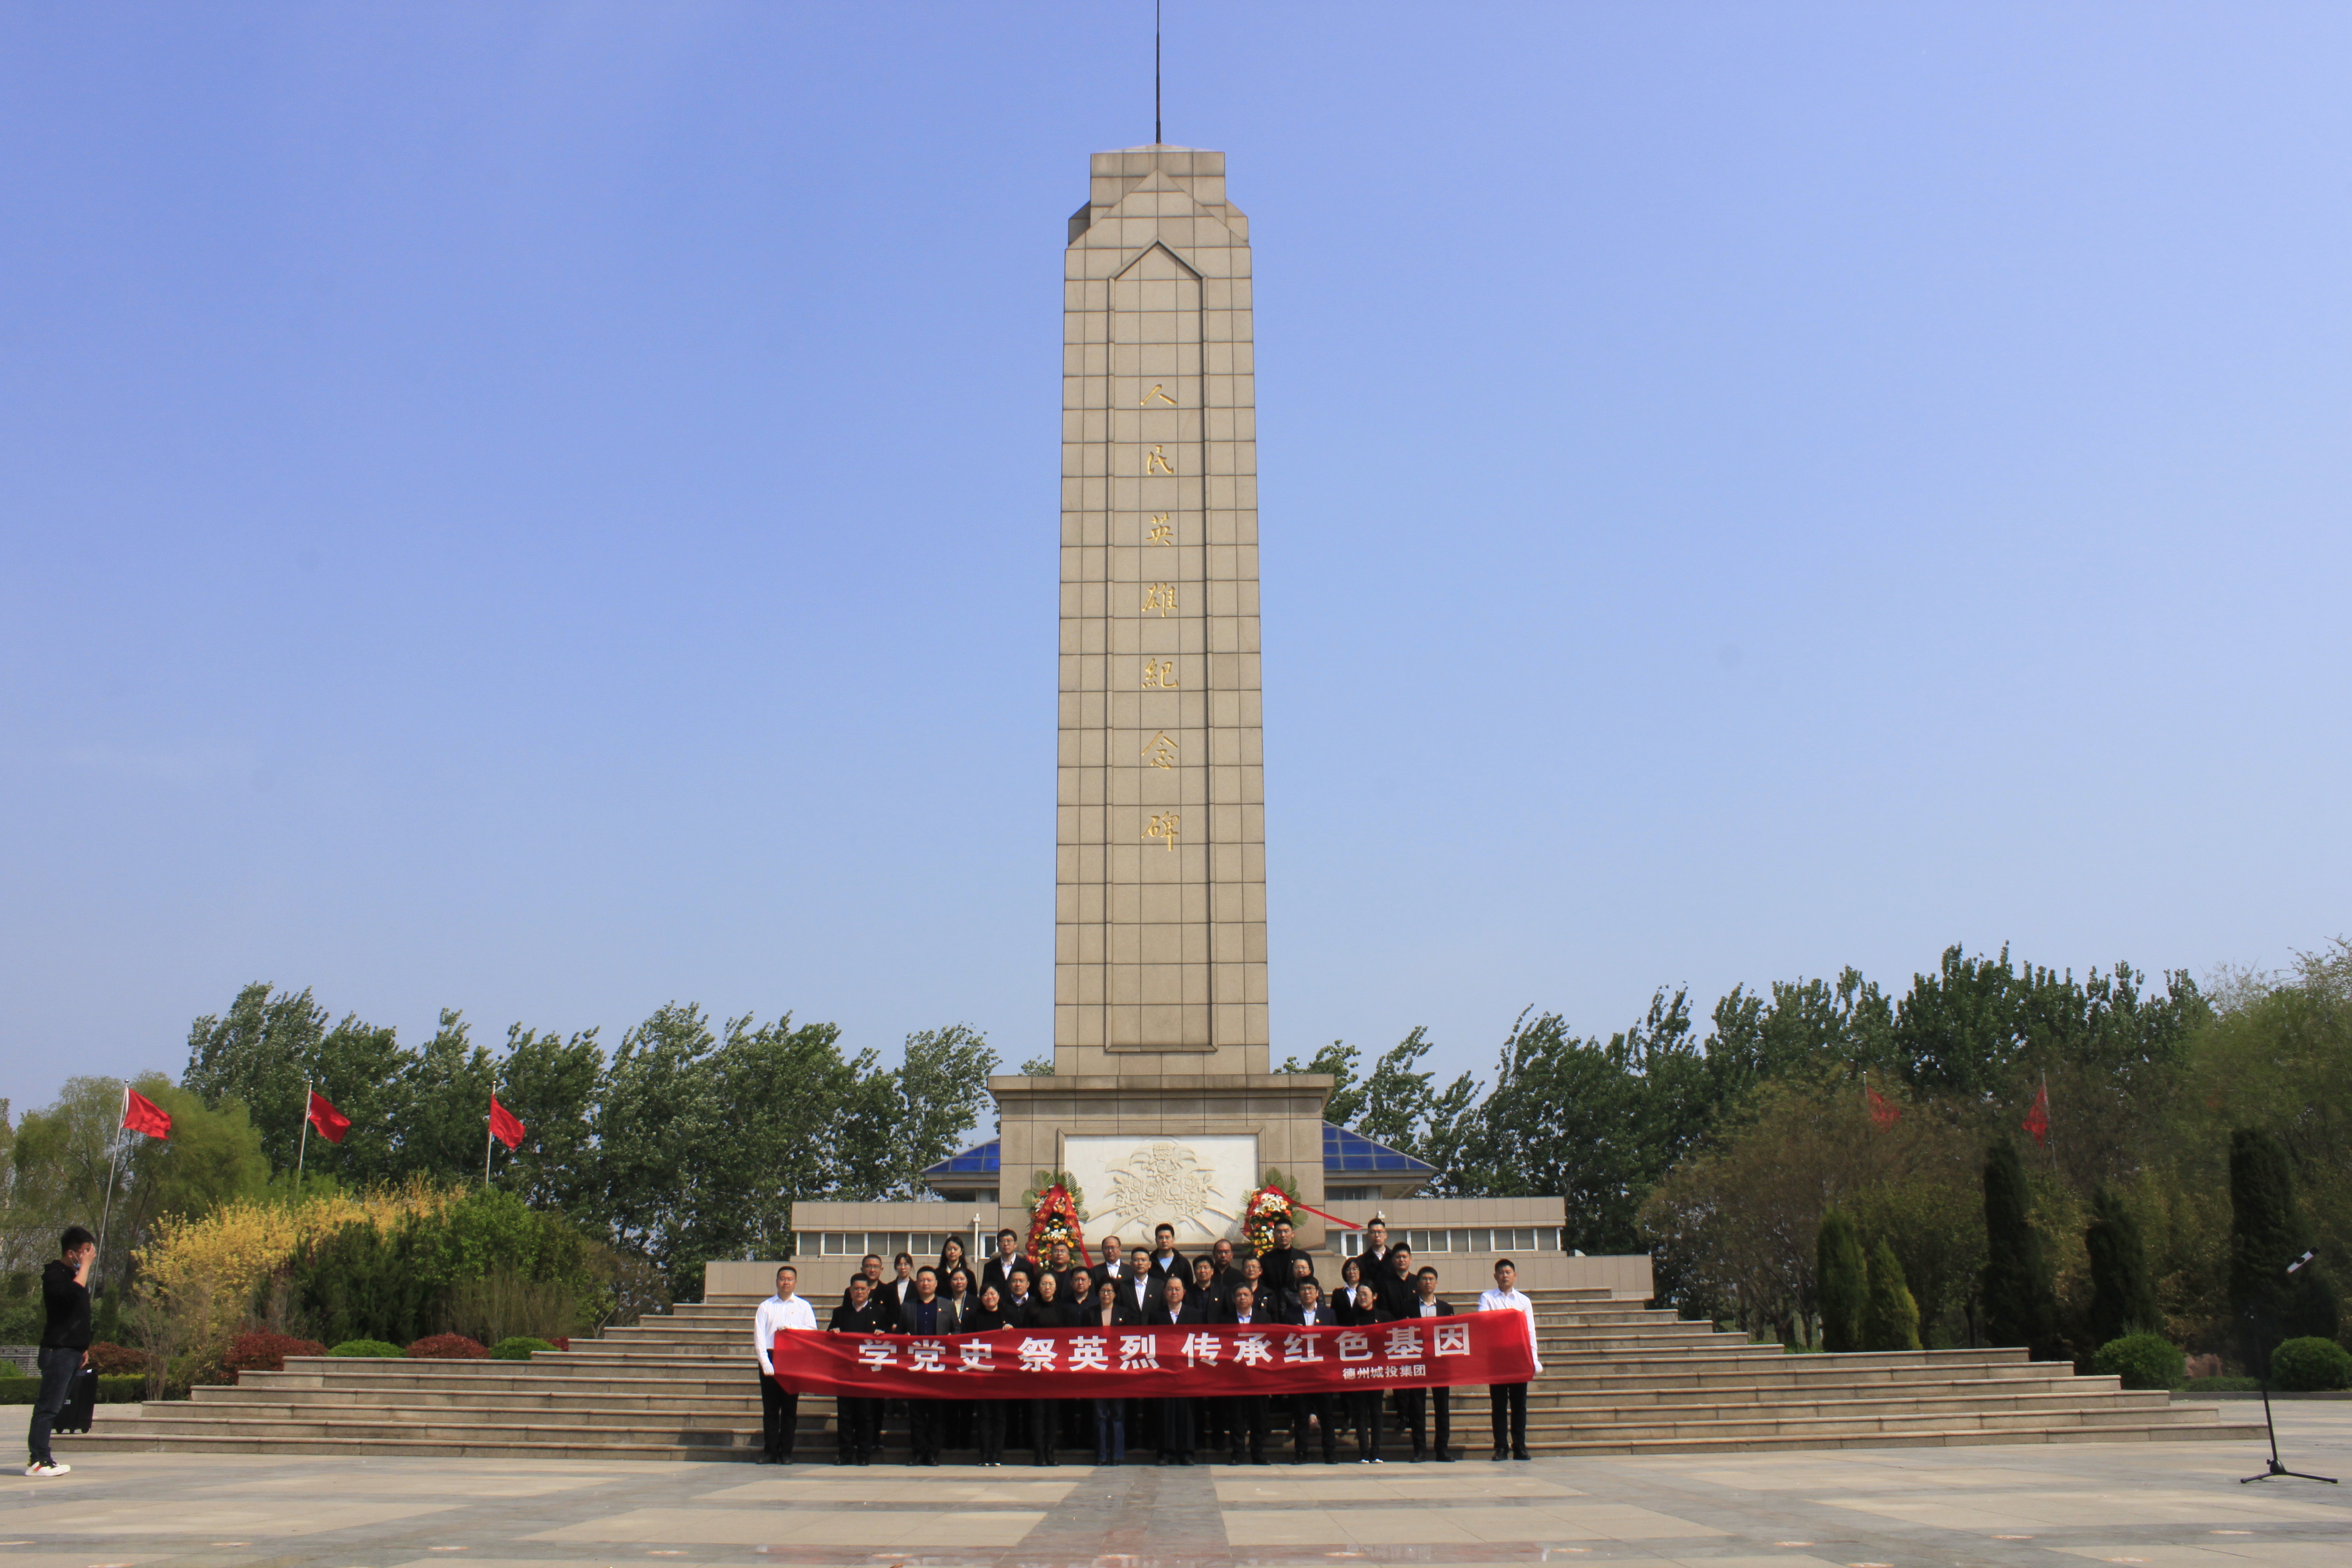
(1275, 1200)
(1053, 1197)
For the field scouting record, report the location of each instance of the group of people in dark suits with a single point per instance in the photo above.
(1146, 1285)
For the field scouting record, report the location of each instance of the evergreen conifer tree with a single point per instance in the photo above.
(2020, 1305)
(2123, 1298)
(1840, 1282)
(2267, 1232)
(1890, 1319)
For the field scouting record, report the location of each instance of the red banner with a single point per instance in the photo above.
(1164, 1361)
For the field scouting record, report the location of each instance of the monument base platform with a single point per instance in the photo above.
(1619, 1378)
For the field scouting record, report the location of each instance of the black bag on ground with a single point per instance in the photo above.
(81, 1403)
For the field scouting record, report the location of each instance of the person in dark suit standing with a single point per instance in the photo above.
(857, 1422)
(1375, 1250)
(1280, 1260)
(1166, 1261)
(1140, 1287)
(1364, 1406)
(870, 1270)
(988, 1415)
(1412, 1403)
(1245, 1414)
(926, 1313)
(1208, 1414)
(1393, 1280)
(998, 1270)
(1046, 1309)
(1175, 1415)
(1312, 1409)
(1106, 1314)
(1287, 1291)
(898, 1292)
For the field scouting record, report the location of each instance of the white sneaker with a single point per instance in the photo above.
(50, 1469)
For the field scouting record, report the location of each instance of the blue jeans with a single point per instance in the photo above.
(1110, 1431)
(58, 1368)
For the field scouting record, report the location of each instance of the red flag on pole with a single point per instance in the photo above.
(331, 1123)
(503, 1125)
(141, 1114)
(1884, 1111)
(2037, 1120)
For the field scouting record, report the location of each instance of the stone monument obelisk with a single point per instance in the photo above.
(1161, 1093)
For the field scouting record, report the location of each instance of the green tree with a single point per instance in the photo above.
(2123, 1296)
(443, 1105)
(1842, 1286)
(1890, 1318)
(2020, 1308)
(2267, 1233)
(1338, 1059)
(554, 1084)
(265, 1049)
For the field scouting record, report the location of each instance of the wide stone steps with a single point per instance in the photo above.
(1619, 1377)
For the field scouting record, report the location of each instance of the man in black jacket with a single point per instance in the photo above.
(1280, 1262)
(1394, 1281)
(925, 1313)
(65, 1341)
(1312, 1410)
(997, 1270)
(857, 1422)
(1412, 1403)
(1245, 1414)
(1166, 1261)
(1175, 1415)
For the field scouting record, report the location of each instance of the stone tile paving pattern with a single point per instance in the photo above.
(2168, 1505)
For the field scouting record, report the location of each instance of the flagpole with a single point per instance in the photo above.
(489, 1135)
(304, 1147)
(113, 1168)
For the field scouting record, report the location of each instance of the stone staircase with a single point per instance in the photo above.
(1619, 1378)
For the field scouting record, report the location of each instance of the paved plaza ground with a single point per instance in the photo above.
(2175, 1505)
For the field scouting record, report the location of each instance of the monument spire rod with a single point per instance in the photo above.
(1155, 73)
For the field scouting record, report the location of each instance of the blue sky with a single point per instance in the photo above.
(546, 510)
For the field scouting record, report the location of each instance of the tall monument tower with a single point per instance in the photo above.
(1159, 878)
(1160, 1104)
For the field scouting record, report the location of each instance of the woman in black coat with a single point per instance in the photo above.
(988, 1415)
(1046, 1310)
(951, 1257)
(1364, 1406)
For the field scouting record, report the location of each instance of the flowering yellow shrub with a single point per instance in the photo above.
(210, 1267)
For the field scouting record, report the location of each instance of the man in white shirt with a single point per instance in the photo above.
(1114, 1261)
(780, 1407)
(1510, 1399)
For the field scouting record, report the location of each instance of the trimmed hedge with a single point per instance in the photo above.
(266, 1352)
(117, 1361)
(519, 1348)
(376, 1348)
(2142, 1361)
(111, 1390)
(2311, 1365)
(448, 1347)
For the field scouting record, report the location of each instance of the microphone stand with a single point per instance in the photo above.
(2276, 1470)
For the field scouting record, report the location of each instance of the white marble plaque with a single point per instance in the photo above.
(1134, 1185)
